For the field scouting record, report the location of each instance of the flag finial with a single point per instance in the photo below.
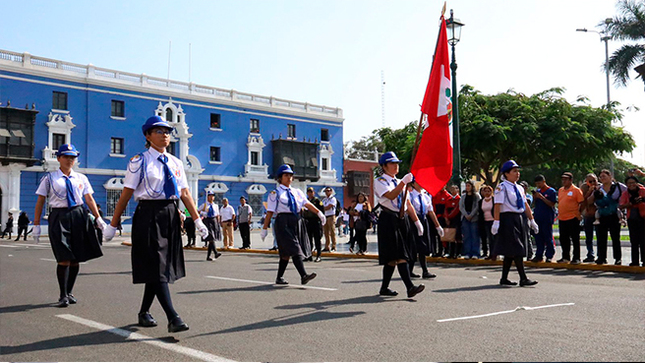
(443, 11)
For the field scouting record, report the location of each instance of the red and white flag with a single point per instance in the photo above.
(432, 167)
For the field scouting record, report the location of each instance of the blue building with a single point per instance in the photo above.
(230, 142)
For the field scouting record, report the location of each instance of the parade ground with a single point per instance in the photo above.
(235, 312)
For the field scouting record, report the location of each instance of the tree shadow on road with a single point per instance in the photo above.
(105, 273)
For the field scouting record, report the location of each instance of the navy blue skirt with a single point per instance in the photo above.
(394, 241)
(511, 238)
(291, 236)
(72, 235)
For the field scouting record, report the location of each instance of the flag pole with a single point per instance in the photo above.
(416, 141)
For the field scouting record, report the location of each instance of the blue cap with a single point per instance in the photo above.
(67, 149)
(507, 166)
(210, 192)
(155, 121)
(388, 157)
(284, 169)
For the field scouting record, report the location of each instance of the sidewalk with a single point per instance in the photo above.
(342, 251)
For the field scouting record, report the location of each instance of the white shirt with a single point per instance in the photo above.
(330, 201)
(426, 199)
(203, 209)
(384, 184)
(227, 213)
(145, 174)
(506, 196)
(278, 200)
(53, 186)
(358, 208)
(243, 212)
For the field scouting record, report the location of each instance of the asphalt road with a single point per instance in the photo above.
(235, 313)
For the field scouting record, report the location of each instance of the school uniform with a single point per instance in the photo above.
(157, 254)
(422, 203)
(209, 213)
(511, 238)
(393, 242)
(71, 232)
(290, 229)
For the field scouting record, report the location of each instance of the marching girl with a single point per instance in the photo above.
(394, 248)
(157, 180)
(71, 232)
(290, 230)
(422, 203)
(510, 203)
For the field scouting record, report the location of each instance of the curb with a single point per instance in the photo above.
(447, 261)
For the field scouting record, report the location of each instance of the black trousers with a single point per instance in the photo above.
(636, 225)
(570, 235)
(314, 231)
(608, 224)
(361, 239)
(22, 229)
(245, 233)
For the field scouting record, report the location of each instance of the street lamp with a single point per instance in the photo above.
(604, 37)
(454, 35)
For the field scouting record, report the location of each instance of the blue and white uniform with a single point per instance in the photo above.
(511, 239)
(290, 229)
(393, 241)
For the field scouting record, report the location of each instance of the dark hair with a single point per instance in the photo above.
(243, 198)
(539, 178)
(364, 196)
(631, 178)
(605, 171)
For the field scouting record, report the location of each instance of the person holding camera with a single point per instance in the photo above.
(606, 198)
(633, 199)
(544, 198)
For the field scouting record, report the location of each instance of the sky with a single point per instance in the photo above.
(333, 52)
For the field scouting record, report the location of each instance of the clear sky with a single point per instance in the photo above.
(332, 52)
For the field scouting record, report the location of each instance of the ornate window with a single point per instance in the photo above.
(254, 166)
(60, 132)
(113, 188)
(256, 194)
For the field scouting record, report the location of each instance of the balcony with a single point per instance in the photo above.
(17, 135)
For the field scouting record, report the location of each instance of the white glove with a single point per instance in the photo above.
(534, 226)
(322, 217)
(407, 178)
(201, 228)
(108, 232)
(419, 227)
(263, 233)
(36, 231)
(101, 223)
(495, 228)
(440, 231)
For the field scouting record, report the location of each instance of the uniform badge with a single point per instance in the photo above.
(135, 158)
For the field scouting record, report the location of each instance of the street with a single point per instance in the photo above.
(236, 313)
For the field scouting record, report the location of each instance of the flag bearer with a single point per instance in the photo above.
(71, 232)
(394, 248)
(157, 180)
(290, 230)
(510, 203)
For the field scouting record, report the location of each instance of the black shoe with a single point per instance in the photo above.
(428, 275)
(176, 325)
(63, 302)
(146, 320)
(588, 259)
(310, 258)
(618, 262)
(507, 282)
(388, 292)
(412, 274)
(415, 290)
(317, 259)
(601, 262)
(325, 250)
(217, 254)
(575, 261)
(307, 278)
(273, 249)
(634, 264)
(536, 259)
(333, 250)
(281, 281)
(71, 299)
(209, 259)
(528, 282)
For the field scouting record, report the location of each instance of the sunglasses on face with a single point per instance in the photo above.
(161, 132)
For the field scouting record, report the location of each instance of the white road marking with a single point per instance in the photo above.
(10, 246)
(271, 283)
(52, 260)
(505, 312)
(193, 353)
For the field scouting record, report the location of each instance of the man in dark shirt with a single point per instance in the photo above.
(314, 227)
(545, 198)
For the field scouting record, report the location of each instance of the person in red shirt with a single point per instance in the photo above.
(453, 220)
(439, 203)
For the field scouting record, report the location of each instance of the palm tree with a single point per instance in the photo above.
(628, 25)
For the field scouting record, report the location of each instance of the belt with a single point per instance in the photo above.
(228, 220)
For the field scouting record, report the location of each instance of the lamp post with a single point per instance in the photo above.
(604, 37)
(453, 26)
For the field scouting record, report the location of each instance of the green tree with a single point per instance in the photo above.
(628, 25)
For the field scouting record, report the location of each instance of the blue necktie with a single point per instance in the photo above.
(423, 208)
(518, 201)
(170, 184)
(292, 202)
(211, 211)
(398, 198)
(71, 202)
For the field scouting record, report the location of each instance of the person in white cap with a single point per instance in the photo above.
(71, 232)
(158, 181)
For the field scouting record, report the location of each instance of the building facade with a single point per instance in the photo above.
(230, 142)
